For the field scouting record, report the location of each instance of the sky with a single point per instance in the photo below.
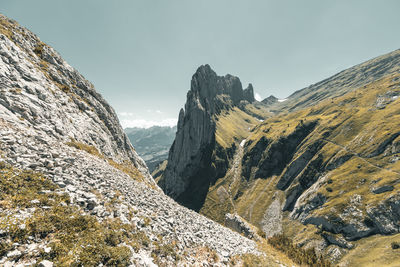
(141, 55)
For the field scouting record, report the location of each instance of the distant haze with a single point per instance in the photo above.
(141, 55)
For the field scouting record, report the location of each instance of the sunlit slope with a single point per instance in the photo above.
(342, 82)
(333, 167)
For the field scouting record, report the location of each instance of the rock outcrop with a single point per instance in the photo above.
(270, 100)
(238, 224)
(248, 93)
(43, 91)
(190, 167)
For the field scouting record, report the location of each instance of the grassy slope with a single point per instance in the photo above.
(374, 251)
(355, 127)
(359, 128)
(232, 127)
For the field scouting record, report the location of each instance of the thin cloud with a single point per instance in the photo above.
(140, 123)
(126, 114)
(131, 120)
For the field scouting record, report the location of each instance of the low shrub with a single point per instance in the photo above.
(261, 233)
(297, 254)
(395, 245)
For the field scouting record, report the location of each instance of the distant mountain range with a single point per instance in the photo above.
(153, 143)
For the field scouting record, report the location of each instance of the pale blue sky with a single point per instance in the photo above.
(141, 55)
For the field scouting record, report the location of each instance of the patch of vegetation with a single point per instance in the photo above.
(269, 256)
(38, 50)
(6, 28)
(162, 251)
(75, 239)
(19, 188)
(299, 255)
(126, 167)
(82, 146)
(233, 126)
(376, 250)
(395, 245)
(251, 260)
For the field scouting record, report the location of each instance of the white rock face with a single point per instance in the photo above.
(44, 103)
(51, 98)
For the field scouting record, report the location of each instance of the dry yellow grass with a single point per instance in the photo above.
(233, 126)
(348, 125)
(374, 251)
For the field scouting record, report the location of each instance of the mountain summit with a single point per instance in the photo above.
(193, 158)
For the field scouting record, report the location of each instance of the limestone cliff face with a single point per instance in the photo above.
(190, 165)
(49, 95)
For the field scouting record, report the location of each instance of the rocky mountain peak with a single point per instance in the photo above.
(194, 143)
(248, 93)
(270, 100)
(206, 86)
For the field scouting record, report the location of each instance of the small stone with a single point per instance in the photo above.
(35, 201)
(71, 188)
(32, 247)
(9, 264)
(49, 164)
(45, 263)
(91, 204)
(383, 189)
(14, 253)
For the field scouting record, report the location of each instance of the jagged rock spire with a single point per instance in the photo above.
(189, 160)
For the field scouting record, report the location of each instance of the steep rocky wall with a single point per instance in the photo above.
(194, 154)
(270, 158)
(41, 88)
